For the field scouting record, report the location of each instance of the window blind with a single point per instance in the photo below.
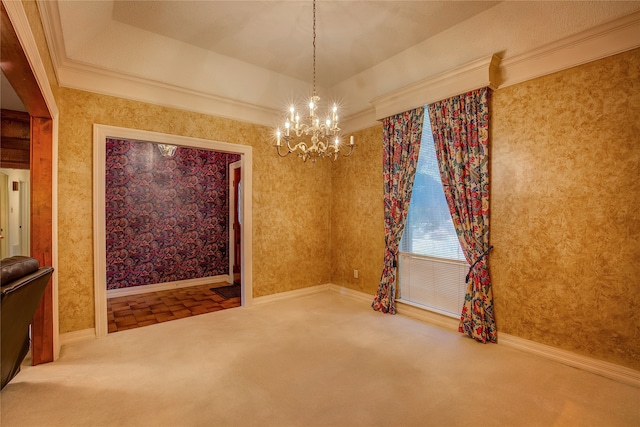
(432, 266)
(433, 283)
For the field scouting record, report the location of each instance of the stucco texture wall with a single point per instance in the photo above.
(291, 199)
(564, 212)
(357, 215)
(565, 209)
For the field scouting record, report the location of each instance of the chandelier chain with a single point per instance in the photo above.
(314, 48)
(322, 133)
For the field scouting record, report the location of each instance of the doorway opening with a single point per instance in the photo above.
(14, 212)
(4, 216)
(24, 72)
(168, 246)
(101, 134)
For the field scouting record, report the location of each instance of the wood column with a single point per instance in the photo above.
(42, 232)
(17, 69)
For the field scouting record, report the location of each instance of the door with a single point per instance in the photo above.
(236, 221)
(25, 218)
(4, 215)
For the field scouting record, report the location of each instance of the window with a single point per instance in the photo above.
(432, 267)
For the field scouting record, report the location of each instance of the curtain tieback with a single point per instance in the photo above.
(394, 258)
(482, 256)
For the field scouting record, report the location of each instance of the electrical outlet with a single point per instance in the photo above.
(355, 274)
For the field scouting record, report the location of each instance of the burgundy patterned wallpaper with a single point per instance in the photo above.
(166, 218)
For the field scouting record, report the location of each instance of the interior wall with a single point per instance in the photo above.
(13, 234)
(167, 218)
(357, 214)
(15, 131)
(290, 199)
(570, 282)
(565, 210)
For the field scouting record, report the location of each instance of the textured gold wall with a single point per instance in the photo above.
(291, 200)
(566, 209)
(33, 16)
(565, 205)
(357, 215)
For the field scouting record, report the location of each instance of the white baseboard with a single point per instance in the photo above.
(606, 369)
(351, 293)
(311, 290)
(291, 294)
(143, 289)
(598, 367)
(441, 320)
(77, 336)
(595, 366)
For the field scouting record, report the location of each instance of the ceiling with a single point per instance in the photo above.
(10, 99)
(258, 54)
(352, 36)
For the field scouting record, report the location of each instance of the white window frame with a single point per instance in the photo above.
(432, 283)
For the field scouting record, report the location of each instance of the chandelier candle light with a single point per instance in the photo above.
(325, 136)
(167, 150)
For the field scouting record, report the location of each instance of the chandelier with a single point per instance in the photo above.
(167, 150)
(325, 135)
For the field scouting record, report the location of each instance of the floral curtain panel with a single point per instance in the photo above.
(401, 138)
(460, 128)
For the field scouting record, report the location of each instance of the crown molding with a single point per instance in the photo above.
(50, 18)
(98, 80)
(361, 120)
(22, 28)
(604, 40)
(610, 38)
(75, 75)
(473, 75)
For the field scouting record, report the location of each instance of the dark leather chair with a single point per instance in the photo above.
(22, 285)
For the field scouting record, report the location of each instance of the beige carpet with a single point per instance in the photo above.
(319, 360)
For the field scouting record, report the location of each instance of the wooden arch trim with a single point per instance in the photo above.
(19, 73)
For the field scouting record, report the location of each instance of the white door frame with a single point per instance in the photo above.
(100, 135)
(25, 216)
(4, 216)
(232, 205)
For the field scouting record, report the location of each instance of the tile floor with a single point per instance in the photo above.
(135, 311)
